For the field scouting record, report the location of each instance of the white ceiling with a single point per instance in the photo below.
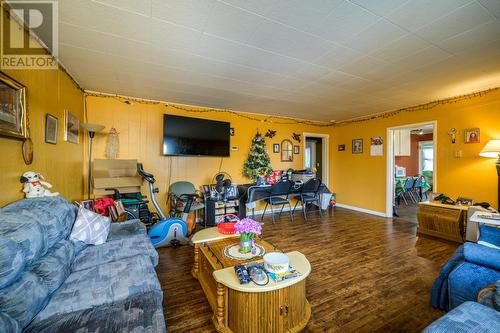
(315, 59)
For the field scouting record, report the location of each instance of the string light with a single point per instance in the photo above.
(289, 121)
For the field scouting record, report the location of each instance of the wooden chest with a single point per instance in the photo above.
(443, 221)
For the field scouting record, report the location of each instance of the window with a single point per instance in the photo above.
(426, 156)
(308, 157)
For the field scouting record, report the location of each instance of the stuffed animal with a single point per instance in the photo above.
(34, 185)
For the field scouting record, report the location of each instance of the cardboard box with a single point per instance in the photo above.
(119, 174)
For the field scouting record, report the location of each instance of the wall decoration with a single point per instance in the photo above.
(286, 151)
(50, 129)
(341, 147)
(377, 146)
(296, 137)
(296, 149)
(112, 144)
(276, 148)
(357, 146)
(453, 135)
(71, 127)
(12, 108)
(231, 131)
(270, 134)
(472, 135)
(258, 163)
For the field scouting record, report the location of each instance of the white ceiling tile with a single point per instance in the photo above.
(167, 35)
(142, 7)
(493, 6)
(337, 56)
(459, 21)
(380, 7)
(422, 58)
(344, 22)
(481, 36)
(375, 36)
(189, 13)
(417, 13)
(400, 48)
(283, 40)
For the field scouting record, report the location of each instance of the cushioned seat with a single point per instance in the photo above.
(278, 201)
(103, 284)
(142, 313)
(307, 198)
(114, 250)
(468, 317)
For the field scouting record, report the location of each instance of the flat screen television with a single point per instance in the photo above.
(186, 136)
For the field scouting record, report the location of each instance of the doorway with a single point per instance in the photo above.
(411, 168)
(316, 154)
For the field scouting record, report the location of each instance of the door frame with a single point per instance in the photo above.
(389, 191)
(325, 152)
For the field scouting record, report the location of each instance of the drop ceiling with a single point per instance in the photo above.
(316, 59)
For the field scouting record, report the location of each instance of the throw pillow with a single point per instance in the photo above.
(90, 228)
(489, 236)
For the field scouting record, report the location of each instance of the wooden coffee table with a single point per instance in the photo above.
(276, 307)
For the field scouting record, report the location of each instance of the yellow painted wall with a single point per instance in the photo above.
(140, 129)
(360, 180)
(48, 91)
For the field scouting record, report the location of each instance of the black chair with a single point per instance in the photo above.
(409, 190)
(279, 196)
(308, 195)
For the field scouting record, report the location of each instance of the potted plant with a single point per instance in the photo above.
(247, 229)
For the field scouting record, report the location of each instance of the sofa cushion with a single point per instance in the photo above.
(489, 236)
(54, 267)
(11, 261)
(90, 228)
(23, 299)
(141, 313)
(8, 324)
(468, 317)
(467, 280)
(103, 284)
(115, 250)
(482, 255)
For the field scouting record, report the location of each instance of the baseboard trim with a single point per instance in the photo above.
(361, 210)
(276, 210)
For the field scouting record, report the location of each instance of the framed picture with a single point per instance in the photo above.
(296, 149)
(88, 204)
(12, 108)
(71, 127)
(341, 147)
(472, 135)
(357, 146)
(50, 129)
(276, 148)
(231, 131)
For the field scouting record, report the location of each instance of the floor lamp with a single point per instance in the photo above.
(92, 129)
(492, 150)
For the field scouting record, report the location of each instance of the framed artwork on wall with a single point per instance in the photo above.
(12, 108)
(276, 148)
(341, 147)
(472, 135)
(357, 146)
(71, 127)
(50, 129)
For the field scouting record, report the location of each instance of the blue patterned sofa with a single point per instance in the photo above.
(51, 284)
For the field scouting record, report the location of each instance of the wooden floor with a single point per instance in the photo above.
(369, 274)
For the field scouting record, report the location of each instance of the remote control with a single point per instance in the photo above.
(242, 274)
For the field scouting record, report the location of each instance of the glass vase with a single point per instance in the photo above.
(246, 242)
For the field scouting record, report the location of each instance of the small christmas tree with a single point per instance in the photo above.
(258, 162)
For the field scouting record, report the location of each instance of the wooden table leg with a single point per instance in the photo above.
(219, 314)
(196, 265)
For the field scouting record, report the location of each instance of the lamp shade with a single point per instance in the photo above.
(491, 150)
(92, 127)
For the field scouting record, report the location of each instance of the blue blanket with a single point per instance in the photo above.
(439, 294)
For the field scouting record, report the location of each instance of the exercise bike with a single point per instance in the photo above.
(167, 231)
